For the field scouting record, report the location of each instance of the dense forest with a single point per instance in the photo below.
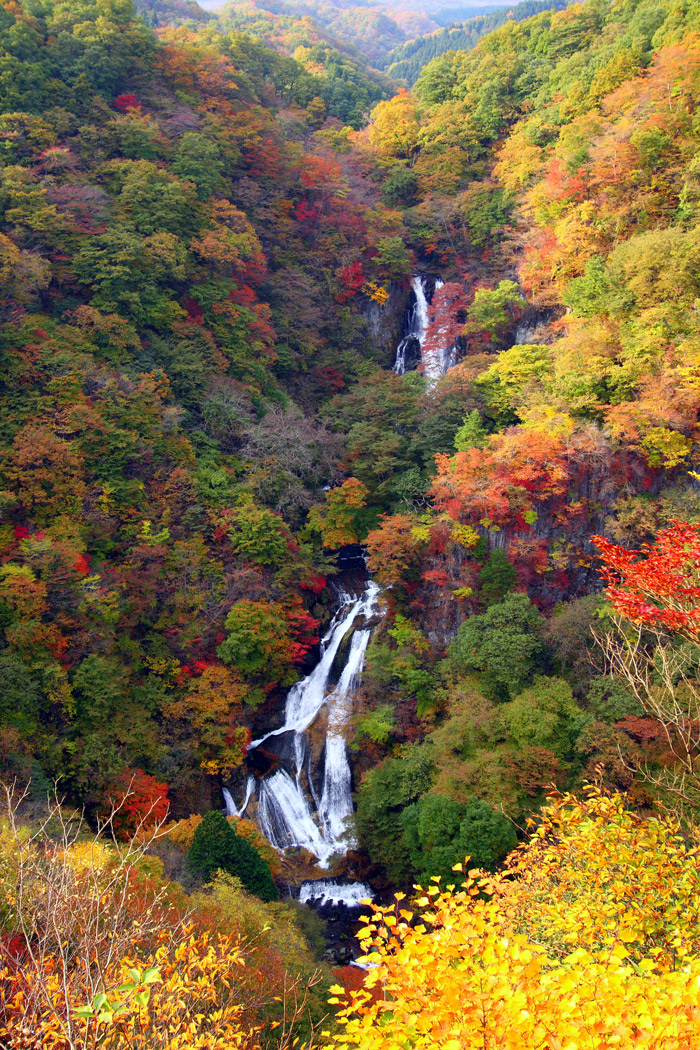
(215, 230)
(372, 28)
(406, 62)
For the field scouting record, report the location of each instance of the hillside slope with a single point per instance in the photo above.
(548, 176)
(405, 63)
(177, 263)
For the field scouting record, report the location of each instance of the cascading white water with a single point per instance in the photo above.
(285, 813)
(437, 350)
(231, 810)
(284, 816)
(328, 891)
(306, 698)
(336, 800)
(417, 323)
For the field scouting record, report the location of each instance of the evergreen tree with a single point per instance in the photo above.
(216, 846)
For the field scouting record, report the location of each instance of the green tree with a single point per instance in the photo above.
(259, 535)
(609, 701)
(258, 645)
(494, 309)
(545, 715)
(484, 210)
(199, 160)
(401, 664)
(151, 200)
(497, 577)
(217, 847)
(392, 257)
(400, 187)
(504, 644)
(440, 832)
(516, 370)
(471, 434)
(386, 790)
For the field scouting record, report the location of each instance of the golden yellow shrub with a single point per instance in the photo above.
(588, 941)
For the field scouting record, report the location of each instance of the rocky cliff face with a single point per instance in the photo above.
(385, 322)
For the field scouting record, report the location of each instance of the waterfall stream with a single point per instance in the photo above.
(287, 813)
(416, 324)
(422, 340)
(289, 809)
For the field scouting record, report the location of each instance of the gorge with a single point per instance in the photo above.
(349, 431)
(295, 805)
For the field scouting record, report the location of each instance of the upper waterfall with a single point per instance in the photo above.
(424, 332)
(416, 323)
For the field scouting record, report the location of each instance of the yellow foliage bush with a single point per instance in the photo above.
(189, 1004)
(589, 940)
(181, 832)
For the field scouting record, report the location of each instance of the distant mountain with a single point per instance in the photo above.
(172, 12)
(406, 62)
(374, 28)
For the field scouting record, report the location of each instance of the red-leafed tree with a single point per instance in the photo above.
(655, 596)
(393, 550)
(303, 629)
(503, 483)
(659, 585)
(140, 801)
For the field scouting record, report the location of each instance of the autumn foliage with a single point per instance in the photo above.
(659, 585)
(140, 801)
(588, 938)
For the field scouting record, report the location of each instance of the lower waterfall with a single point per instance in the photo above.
(326, 891)
(286, 812)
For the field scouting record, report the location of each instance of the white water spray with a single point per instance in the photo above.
(328, 891)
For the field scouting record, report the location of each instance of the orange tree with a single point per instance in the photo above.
(588, 940)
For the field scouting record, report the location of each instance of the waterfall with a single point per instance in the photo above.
(416, 324)
(426, 334)
(285, 813)
(285, 818)
(336, 800)
(231, 810)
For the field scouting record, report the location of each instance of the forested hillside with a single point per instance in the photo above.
(407, 61)
(547, 176)
(211, 243)
(372, 28)
(172, 12)
(178, 255)
(346, 83)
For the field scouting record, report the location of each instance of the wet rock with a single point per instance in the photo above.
(384, 321)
